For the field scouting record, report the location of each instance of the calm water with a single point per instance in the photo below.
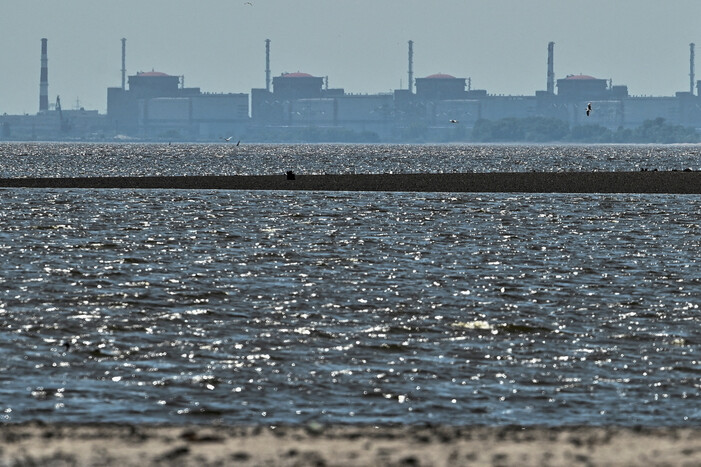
(194, 306)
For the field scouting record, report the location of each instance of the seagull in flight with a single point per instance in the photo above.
(453, 121)
(227, 139)
(588, 108)
(238, 142)
(248, 4)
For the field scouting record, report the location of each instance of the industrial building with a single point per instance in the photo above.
(437, 107)
(52, 121)
(156, 105)
(442, 107)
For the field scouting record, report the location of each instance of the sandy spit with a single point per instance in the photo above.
(316, 445)
(679, 182)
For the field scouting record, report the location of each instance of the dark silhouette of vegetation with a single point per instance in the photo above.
(590, 134)
(311, 135)
(414, 132)
(538, 129)
(552, 130)
(657, 131)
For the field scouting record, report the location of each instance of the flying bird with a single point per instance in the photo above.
(227, 139)
(453, 121)
(238, 142)
(588, 108)
(248, 3)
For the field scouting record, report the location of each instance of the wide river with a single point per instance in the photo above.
(255, 307)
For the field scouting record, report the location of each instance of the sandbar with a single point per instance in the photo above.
(346, 445)
(669, 182)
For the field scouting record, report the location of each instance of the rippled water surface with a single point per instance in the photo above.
(68, 160)
(195, 306)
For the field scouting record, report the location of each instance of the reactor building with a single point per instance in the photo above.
(437, 106)
(153, 105)
(158, 105)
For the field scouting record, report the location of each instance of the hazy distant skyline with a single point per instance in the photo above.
(361, 45)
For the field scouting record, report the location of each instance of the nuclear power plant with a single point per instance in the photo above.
(44, 80)
(153, 105)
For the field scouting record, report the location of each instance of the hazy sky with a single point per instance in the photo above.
(361, 45)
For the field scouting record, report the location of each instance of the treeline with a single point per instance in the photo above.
(517, 130)
(541, 129)
(311, 135)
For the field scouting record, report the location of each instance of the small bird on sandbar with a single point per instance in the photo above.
(589, 109)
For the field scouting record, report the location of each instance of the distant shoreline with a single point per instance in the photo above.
(664, 182)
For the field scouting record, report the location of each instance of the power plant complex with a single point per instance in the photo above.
(153, 105)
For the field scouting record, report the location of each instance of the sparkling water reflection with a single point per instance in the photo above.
(71, 160)
(278, 307)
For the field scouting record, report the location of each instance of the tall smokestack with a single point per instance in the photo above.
(411, 66)
(124, 64)
(691, 68)
(551, 72)
(267, 65)
(44, 80)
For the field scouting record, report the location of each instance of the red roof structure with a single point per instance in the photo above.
(440, 76)
(296, 75)
(579, 77)
(151, 73)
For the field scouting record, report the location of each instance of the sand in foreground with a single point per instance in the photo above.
(131, 445)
